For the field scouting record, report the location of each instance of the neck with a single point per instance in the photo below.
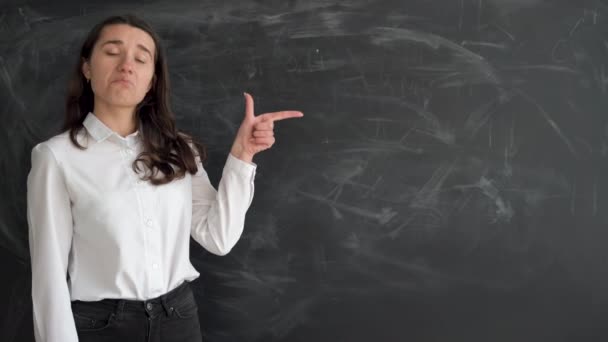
(121, 120)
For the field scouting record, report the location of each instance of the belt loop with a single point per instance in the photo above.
(168, 309)
(120, 305)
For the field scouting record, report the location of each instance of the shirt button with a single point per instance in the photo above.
(149, 306)
(149, 222)
(155, 265)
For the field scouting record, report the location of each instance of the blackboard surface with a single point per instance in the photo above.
(447, 182)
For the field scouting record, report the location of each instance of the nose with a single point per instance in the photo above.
(125, 65)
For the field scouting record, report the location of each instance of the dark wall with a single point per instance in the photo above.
(447, 182)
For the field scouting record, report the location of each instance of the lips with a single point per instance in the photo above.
(123, 81)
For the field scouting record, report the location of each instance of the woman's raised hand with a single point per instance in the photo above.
(256, 132)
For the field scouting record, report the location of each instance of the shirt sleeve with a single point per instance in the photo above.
(218, 217)
(50, 224)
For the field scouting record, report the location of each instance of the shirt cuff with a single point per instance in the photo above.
(240, 166)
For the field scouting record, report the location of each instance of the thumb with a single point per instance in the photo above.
(248, 106)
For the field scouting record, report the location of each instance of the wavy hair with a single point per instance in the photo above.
(165, 148)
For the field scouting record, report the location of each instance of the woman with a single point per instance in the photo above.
(114, 198)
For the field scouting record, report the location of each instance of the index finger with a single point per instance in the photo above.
(282, 115)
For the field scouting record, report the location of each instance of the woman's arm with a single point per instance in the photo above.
(50, 224)
(218, 216)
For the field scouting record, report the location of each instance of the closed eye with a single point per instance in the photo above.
(115, 54)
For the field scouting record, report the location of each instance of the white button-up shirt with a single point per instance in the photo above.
(90, 217)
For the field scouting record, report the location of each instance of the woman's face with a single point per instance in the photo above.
(121, 66)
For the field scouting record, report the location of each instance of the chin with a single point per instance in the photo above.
(121, 101)
(124, 103)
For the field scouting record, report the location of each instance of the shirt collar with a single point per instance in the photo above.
(100, 132)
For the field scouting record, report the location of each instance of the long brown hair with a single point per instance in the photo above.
(165, 148)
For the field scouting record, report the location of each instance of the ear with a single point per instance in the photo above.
(86, 69)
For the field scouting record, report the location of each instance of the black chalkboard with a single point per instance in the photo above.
(446, 183)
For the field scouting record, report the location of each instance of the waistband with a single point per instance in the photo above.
(152, 306)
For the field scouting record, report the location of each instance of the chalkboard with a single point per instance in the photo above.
(446, 183)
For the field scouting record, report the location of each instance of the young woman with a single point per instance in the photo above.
(114, 198)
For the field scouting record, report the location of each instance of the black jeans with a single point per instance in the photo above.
(172, 317)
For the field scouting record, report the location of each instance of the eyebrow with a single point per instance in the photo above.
(120, 42)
